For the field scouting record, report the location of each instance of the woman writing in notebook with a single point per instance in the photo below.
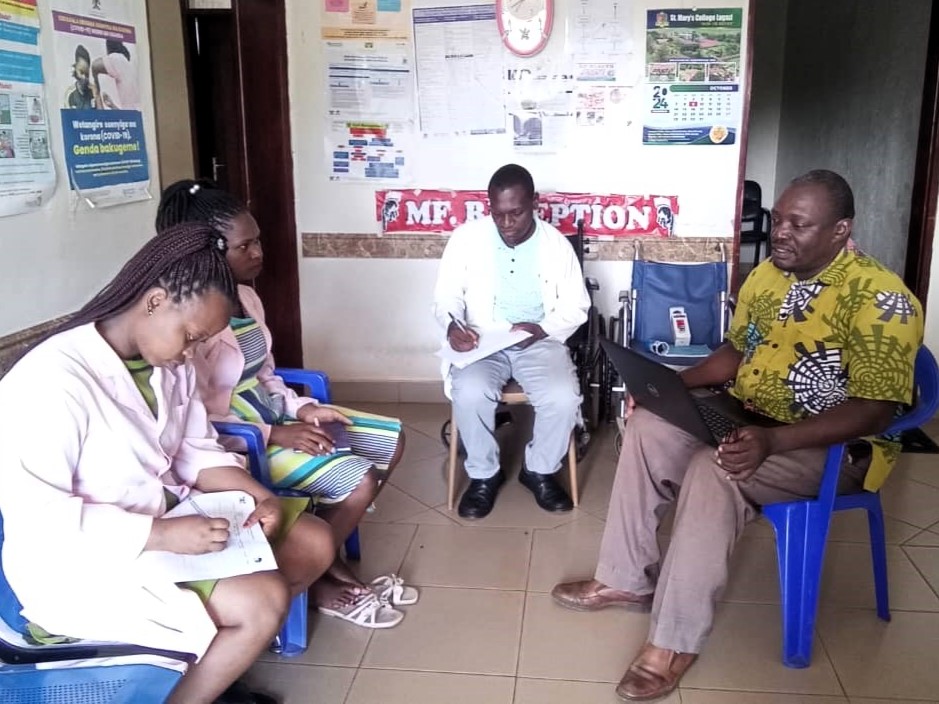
(83, 494)
(235, 372)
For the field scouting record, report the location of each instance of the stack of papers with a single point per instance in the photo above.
(490, 342)
(247, 550)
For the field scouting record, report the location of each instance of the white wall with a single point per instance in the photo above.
(769, 43)
(367, 319)
(55, 259)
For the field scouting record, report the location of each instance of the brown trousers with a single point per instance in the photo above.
(657, 460)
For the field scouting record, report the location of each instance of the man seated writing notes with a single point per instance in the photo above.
(512, 270)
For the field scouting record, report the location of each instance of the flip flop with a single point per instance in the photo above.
(368, 611)
(391, 588)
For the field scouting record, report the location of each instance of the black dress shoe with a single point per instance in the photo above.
(239, 693)
(548, 493)
(480, 496)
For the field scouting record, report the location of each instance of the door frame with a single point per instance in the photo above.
(925, 192)
(260, 28)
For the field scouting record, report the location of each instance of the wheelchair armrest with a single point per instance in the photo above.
(591, 283)
(254, 441)
(316, 382)
(624, 295)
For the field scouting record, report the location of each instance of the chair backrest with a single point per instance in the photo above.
(700, 289)
(925, 404)
(752, 209)
(925, 393)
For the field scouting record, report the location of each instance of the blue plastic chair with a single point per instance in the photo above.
(802, 529)
(22, 680)
(292, 640)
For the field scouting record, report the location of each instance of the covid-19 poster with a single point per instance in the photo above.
(97, 56)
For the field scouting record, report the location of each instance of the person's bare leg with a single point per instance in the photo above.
(305, 553)
(248, 611)
(340, 585)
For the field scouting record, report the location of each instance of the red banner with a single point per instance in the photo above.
(438, 211)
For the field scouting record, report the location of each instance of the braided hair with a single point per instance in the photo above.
(186, 261)
(197, 201)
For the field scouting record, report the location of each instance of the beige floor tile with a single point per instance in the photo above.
(851, 527)
(877, 659)
(754, 574)
(433, 517)
(565, 554)
(705, 696)
(926, 560)
(419, 446)
(480, 558)
(425, 480)
(401, 687)
(529, 691)
(392, 409)
(301, 684)
(927, 538)
(743, 653)
(920, 467)
(848, 579)
(384, 546)
(472, 631)
(394, 505)
(912, 502)
(332, 642)
(516, 508)
(561, 644)
(426, 418)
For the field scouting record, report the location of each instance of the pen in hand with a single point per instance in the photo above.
(464, 329)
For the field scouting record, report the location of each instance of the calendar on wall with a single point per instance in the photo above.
(692, 81)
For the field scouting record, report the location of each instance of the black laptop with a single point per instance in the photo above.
(708, 415)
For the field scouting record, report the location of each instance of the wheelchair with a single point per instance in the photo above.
(644, 319)
(589, 363)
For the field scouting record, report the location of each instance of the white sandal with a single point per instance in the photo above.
(391, 588)
(367, 611)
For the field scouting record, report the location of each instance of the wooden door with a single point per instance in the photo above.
(237, 63)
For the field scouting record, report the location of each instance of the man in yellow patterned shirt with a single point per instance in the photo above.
(824, 340)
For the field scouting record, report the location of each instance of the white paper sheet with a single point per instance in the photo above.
(489, 343)
(247, 550)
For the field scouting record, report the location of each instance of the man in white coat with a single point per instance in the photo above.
(512, 270)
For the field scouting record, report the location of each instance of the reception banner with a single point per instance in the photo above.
(605, 215)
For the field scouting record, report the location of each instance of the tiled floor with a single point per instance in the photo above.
(486, 631)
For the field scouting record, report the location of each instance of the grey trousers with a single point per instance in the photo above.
(657, 460)
(547, 375)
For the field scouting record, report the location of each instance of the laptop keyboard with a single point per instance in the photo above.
(720, 426)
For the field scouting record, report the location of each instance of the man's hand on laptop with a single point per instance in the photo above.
(743, 451)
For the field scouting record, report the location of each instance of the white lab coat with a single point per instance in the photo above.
(83, 468)
(466, 281)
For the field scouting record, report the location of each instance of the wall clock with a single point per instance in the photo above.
(525, 25)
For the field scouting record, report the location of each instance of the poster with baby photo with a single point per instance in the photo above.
(97, 61)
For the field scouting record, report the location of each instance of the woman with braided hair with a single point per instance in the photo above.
(122, 434)
(235, 373)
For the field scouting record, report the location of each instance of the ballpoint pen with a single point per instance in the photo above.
(459, 324)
